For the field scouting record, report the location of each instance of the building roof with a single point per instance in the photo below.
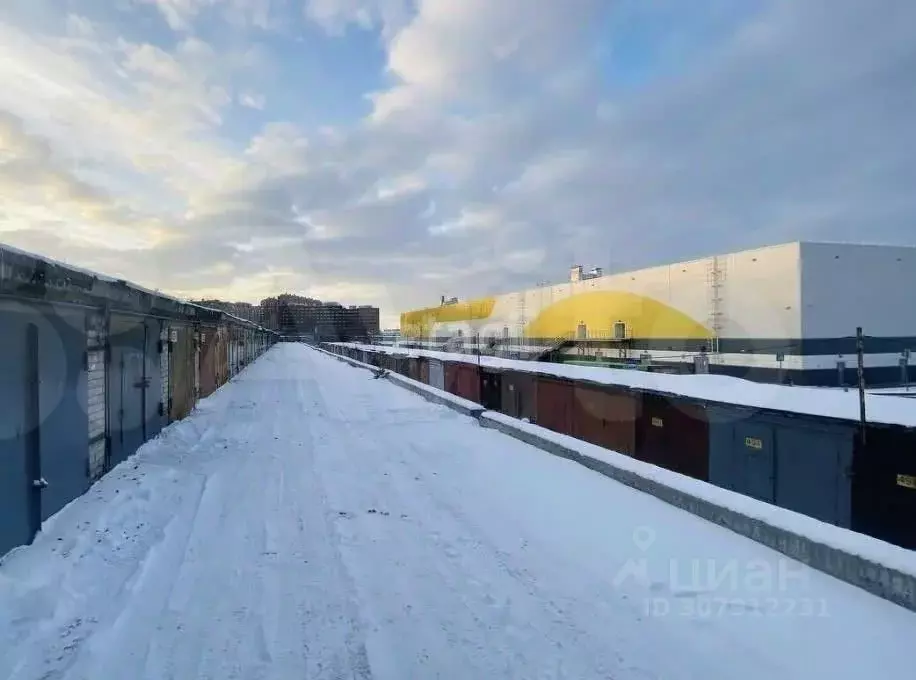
(36, 277)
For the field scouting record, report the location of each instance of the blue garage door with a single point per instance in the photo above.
(813, 473)
(43, 421)
(135, 385)
(64, 415)
(803, 464)
(16, 492)
(126, 387)
(755, 442)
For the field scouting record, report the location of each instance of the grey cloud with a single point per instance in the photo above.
(771, 139)
(385, 222)
(320, 189)
(772, 142)
(795, 126)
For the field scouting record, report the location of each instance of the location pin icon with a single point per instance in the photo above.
(643, 537)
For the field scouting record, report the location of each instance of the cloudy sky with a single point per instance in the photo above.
(391, 151)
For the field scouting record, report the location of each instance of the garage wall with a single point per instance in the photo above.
(96, 389)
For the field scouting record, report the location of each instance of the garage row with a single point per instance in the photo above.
(813, 465)
(91, 369)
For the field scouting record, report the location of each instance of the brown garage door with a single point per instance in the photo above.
(554, 405)
(606, 417)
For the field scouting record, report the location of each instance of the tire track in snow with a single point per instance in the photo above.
(490, 580)
(463, 613)
(357, 663)
(125, 639)
(229, 641)
(110, 553)
(579, 606)
(466, 597)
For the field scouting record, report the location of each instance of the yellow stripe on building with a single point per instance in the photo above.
(419, 323)
(600, 310)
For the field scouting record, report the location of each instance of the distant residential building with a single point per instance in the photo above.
(325, 321)
(368, 317)
(246, 310)
(243, 310)
(389, 336)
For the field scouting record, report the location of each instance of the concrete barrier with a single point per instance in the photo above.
(845, 555)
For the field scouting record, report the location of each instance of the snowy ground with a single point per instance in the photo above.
(311, 522)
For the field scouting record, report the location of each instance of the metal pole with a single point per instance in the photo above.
(906, 370)
(860, 356)
(479, 371)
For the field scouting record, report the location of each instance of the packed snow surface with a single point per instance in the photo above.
(308, 521)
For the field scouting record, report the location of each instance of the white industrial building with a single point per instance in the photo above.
(784, 313)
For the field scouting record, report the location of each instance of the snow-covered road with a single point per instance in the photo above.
(311, 522)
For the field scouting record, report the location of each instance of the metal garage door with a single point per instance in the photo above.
(802, 464)
(182, 359)
(813, 473)
(757, 460)
(555, 404)
(64, 415)
(19, 501)
(128, 386)
(519, 398)
(884, 485)
(436, 374)
(491, 390)
(44, 425)
(673, 432)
